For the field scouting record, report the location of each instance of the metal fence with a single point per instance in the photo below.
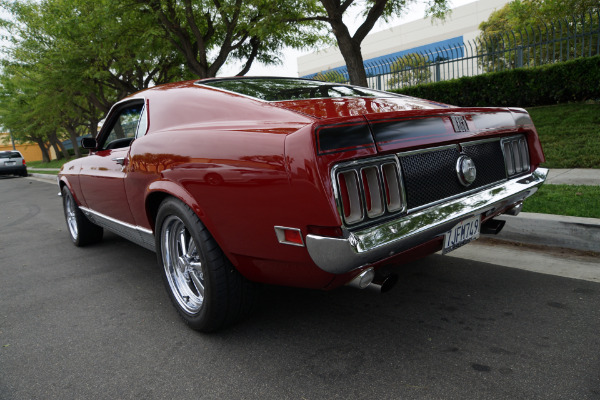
(545, 44)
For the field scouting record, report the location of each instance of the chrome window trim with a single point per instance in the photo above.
(143, 115)
(113, 113)
(135, 233)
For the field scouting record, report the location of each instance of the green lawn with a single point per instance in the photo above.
(40, 164)
(572, 200)
(570, 134)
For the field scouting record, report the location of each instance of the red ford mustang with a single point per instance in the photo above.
(293, 182)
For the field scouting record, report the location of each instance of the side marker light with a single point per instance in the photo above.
(291, 236)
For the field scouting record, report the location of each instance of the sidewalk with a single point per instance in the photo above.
(556, 230)
(574, 176)
(531, 228)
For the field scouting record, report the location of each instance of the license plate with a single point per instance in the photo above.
(462, 233)
(10, 163)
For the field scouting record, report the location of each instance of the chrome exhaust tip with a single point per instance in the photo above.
(384, 284)
(515, 210)
(363, 280)
(367, 280)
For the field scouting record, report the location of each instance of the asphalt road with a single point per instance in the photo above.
(96, 323)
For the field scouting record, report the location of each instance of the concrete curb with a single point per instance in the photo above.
(552, 230)
(45, 177)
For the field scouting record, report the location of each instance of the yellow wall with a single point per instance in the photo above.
(31, 152)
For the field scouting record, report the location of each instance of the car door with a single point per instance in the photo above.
(103, 172)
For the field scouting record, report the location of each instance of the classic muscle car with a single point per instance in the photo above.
(287, 181)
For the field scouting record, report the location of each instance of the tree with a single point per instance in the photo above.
(520, 22)
(18, 100)
(410, 69)
(350, 44)
(521, 14)
(209, 33)
(81, 57)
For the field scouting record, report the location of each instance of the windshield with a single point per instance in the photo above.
(281, 89)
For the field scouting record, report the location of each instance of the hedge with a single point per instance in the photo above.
(575, 80)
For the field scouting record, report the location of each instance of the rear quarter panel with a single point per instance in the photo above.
(231, 169)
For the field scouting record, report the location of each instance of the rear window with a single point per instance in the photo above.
(10, 154)
(281, 89)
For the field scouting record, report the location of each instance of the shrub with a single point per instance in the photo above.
(574, 80)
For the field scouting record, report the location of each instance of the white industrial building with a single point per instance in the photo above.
(460, 27)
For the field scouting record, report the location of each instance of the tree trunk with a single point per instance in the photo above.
(59, 148)
(352, 54)
(42, 146)
(350, 45)
(73, 137)
(59, 155)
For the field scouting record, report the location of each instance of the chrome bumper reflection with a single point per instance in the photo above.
(373, 244)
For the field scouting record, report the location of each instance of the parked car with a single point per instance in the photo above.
(12, 163)
(293, 182)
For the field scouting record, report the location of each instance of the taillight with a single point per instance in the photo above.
(516, 155)
(392, 187)
(350, 196)
(368, 190)
(373, 191)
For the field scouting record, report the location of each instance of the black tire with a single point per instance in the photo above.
(81, 231)
(205, 288)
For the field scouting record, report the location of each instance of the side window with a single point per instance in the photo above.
(124, 128)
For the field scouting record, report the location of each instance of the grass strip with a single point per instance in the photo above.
(41, 164)
(571, 200)
(569, 133)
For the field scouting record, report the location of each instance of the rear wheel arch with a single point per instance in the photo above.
(153, 202)
(159, 193)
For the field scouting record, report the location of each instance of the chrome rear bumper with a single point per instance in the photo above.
(377, 243)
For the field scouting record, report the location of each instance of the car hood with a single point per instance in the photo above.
(347, 107)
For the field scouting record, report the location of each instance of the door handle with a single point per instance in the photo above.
(119, 160)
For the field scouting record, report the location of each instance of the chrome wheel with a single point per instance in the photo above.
(183, 267)
(70, 213)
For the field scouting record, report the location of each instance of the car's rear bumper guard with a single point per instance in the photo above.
(373, 244)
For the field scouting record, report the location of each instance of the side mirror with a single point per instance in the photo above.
(88, 143)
